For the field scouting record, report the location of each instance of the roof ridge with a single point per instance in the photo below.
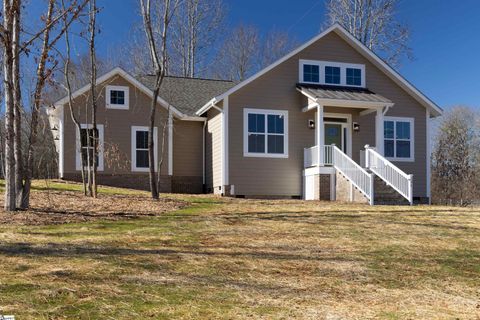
(193, 78)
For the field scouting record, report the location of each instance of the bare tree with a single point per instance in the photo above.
(238, 56)
(162, 18)
(93, 98)
(195, 29)
(10, 8)
(455, 178)
(19, 175)
(374, 23)
(274, 46)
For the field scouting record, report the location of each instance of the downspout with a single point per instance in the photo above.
(204, 169)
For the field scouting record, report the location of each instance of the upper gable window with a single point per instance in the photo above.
(354, 77)
(311, 73)
(332, 73)
(116, 97)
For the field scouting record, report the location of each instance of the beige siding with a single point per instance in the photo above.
(214, 150)
(187, 149)
(117, 128)
(276, 90)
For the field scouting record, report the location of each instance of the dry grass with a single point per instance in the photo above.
(231, 258)
(57, 202)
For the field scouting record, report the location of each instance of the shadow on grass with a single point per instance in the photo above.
(70, 250)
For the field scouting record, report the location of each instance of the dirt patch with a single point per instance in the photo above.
(58, 207)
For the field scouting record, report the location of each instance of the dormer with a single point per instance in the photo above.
(331, 73)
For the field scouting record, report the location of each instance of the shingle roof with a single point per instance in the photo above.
(342, 93)
(188, 94)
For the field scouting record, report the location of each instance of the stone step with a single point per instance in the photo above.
(386, 195)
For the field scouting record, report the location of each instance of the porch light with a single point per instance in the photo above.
(311, 123)
(356, 127)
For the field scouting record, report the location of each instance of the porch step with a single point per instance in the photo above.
(386, 195)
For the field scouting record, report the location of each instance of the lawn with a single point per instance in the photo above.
(203, 257)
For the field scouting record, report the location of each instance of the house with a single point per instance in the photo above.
(330, 120)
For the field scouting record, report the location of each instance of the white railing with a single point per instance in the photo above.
(328, 155)
(388, 172)
(310, 157)
(353, 172)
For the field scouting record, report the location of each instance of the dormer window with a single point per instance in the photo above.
(116, 97)
(332, 73)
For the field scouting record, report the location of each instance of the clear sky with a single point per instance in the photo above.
(445, 37)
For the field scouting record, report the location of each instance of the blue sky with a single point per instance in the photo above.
(445, 38)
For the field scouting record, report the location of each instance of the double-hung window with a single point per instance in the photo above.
(265, 133)
(398, 138)
(117, 97)
(90, 140)
(140, 159)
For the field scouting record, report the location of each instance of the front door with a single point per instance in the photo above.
(334, 135)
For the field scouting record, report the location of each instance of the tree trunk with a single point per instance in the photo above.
(17, 101)
(93, 94)
(10, 197)
(37, 101)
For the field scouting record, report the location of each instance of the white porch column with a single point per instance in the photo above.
(320, 136)
(379, 131)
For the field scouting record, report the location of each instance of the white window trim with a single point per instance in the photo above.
(412, 138)
(284, 113)
(78, 161)
(108, 91)
(134, 148)
(343, 72)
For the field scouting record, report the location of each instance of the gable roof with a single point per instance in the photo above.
(188, 94)
(435, 110)
(183, 95)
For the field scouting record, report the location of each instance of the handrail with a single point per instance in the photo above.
(388, 172)
(359, 177)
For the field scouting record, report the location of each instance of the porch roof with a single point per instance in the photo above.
(334, 94)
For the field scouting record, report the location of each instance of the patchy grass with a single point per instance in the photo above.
(232, 258)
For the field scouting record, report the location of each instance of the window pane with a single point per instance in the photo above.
(275, 144)
(256, 143)
(389, 150)
(403, 149)
(275, 123)
(388, 129)
(83, 137)
(403, 130)
(354, 77)
(256, 122)
(332, 75)
(142, 158)
(142, 139)
(311, 73)
(117, 97)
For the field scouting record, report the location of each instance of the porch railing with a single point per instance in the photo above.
(310, 156)
(358, 176)
(388, 172)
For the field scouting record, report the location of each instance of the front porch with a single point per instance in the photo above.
(329, 167)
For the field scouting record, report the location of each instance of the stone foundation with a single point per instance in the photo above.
(345, 191)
